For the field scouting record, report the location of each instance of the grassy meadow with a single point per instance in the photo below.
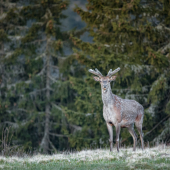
(157, 158)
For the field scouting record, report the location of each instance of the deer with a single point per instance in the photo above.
(118, 112)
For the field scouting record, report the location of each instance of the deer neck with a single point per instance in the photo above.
(107, 97)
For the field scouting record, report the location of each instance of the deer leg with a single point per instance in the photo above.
(117, 136)
(109, 127)
(141, 135)
(138, 123)
(132, 132)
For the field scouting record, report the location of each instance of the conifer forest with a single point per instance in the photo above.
(49, 100)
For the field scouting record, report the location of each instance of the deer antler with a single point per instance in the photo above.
(96, 72)
(110, 73)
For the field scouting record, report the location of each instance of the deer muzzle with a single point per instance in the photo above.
(104, 87)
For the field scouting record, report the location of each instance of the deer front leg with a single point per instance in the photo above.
(109, 127)
(117, 136)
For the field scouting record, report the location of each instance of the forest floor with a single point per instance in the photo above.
(99, 159)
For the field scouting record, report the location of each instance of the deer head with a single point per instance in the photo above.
(104, 80)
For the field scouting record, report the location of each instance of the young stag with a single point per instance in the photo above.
(117, 111)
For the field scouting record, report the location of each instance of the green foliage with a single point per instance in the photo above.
(65, 110)
(34, 94)
(3, 36)
(123, 36)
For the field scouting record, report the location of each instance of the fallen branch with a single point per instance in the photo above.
(54, 148)
(157, 125)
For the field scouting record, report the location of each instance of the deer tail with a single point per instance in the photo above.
(140, 115)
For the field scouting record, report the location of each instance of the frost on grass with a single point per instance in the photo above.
(126, 155)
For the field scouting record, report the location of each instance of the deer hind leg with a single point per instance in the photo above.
(132, 132)
(141, 135)
(117, 136)
(138, 123)
(110, 130)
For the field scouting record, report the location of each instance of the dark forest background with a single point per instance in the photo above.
(47, 96)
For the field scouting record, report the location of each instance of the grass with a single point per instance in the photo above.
(157, 158)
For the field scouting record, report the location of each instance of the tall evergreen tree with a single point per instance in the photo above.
(37, 94)
(42, 64)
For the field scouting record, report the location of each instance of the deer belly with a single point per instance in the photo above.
(110, 116)
(125, 123)
(127, 120)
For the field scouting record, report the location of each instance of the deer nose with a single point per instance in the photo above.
(104, 86)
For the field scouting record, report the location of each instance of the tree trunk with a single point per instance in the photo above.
(45, 141)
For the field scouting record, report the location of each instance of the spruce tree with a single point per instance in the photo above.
(43, 67)
(39, 93)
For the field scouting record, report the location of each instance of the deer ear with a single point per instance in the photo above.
(112, 78)
(96, 78)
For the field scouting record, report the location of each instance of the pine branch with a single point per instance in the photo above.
(51, 78)
(39, 23)
(166, 28)
(49, 88)
(58, 135)
(7, 54)
(57, 3)
(42, 71)
(42, 55)
(57, 107)
(57, 56)
(136, 95)
(15, 37)
(162, 27)
(55, 67)
(106, 45)
(13, 85)
(22, 27)
(164, 49)
(130, 89)
(8, 4)
(15, 125)
(3, 16)
(78, 128)
(36, 91)
(35, 41)
(22, 110)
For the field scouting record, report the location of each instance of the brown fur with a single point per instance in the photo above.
(138, 118)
